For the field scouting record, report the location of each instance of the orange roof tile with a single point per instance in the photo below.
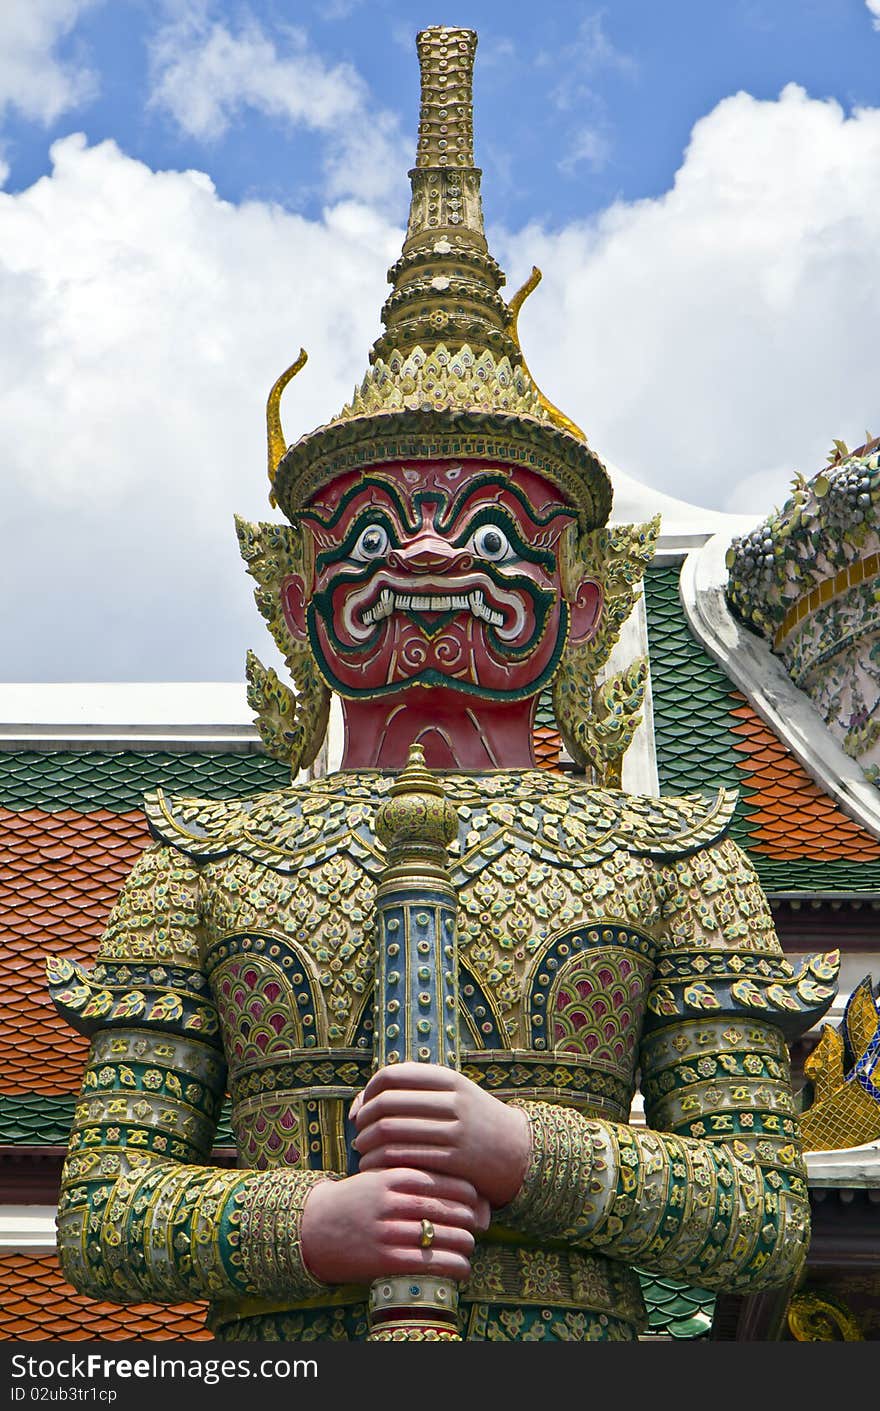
(787, 814)
(547, 744)
(59, 876)
(40, 1306)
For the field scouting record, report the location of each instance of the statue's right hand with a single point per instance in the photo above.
(369, 1225)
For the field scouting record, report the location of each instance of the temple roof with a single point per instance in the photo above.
(707, 734)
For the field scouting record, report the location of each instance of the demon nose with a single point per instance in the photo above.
(430, 553)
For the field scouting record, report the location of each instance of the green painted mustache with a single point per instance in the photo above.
(503, 603)
(373, 602)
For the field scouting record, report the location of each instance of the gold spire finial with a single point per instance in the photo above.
(445, 282)
(446, 117)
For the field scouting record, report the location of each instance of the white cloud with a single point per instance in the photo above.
(338, 9)
(874, 7)
(136, 358)
(204, 74)
(711, 342)
(589, 147)
(711, 337)
(577, 63)
(33, 77)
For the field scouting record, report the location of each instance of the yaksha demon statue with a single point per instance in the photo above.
(428, 981)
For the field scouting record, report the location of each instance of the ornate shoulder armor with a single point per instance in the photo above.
(288, 830)
(148, 972)
(202, 829)
(721, 955)
(668, 828)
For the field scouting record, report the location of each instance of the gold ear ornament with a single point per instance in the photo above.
(292, 725)
(598, 718)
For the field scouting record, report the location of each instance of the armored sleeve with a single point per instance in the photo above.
(714, 1190)
(143, 1214)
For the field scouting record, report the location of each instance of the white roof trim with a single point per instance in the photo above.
(854, 1166)
(27, 1227)
(108, 715)
(640, 761)
(634, 502)
(762, 678)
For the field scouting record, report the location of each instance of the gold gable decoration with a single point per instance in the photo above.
(842, 1070)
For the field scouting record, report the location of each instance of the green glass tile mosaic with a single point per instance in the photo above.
(692, 727)
(118, 782)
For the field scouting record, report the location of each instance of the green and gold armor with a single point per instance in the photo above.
(601, 936)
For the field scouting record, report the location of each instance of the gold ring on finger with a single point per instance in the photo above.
(426, 1238)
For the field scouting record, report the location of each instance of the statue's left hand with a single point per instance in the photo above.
(430, 1118)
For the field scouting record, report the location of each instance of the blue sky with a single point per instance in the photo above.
(577, 105)
(196, 188)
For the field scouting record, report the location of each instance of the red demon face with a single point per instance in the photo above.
(438, 574)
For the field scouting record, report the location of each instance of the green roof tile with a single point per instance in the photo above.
(691, 697)
(36, 1120)
(676, 1309)
(544, 717)
(117, 782)
(693, 721)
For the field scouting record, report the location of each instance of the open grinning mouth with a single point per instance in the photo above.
(473, 602)
(370, 604)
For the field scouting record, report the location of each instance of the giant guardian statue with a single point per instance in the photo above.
(429, 980)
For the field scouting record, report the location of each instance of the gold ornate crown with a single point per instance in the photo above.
(447, 376)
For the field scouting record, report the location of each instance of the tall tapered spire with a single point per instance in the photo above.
(447, 376)
(446, 282)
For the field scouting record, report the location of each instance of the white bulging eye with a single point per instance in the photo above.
(372, 543)
(490, 542)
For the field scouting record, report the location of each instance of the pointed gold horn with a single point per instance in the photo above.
(277, 443)
(556, 416)
(518, 299)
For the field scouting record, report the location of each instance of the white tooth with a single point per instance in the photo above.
(442, 604)
(419, 604)
(478, 606)
(403, 600)
(496, 618)
(368, 616)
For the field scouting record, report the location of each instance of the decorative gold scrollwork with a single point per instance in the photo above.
(819, 1317)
